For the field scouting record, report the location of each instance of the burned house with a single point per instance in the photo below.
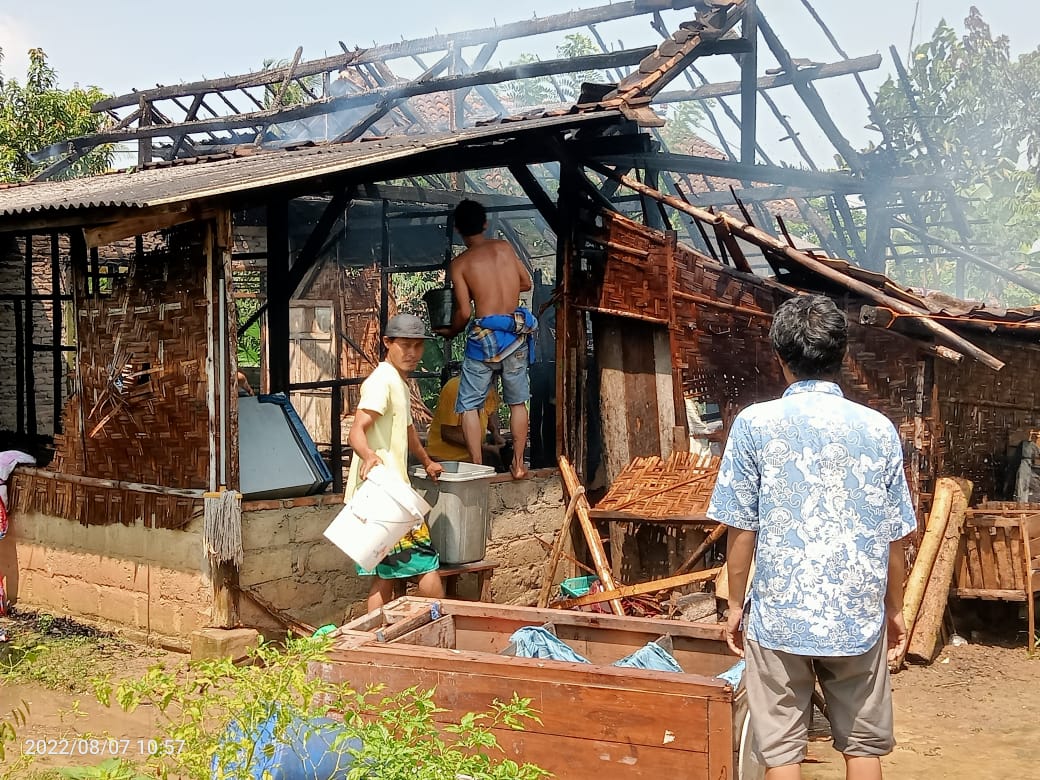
(122, 298)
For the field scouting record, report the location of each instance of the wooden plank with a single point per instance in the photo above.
(522, 670)
(652, 627)
(636, 717)
(667, 583)
(989, 594)
(578, 758)
(439, 633)
(720, 740)
(1010, 521)
(974, 559)
(988, 560)
(161, 218)
(962, 580)
(1007, 567)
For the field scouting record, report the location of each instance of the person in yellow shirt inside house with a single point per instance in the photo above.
(445, 440)
(383, 434)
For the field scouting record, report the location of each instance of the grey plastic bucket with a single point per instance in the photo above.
(460, 521)
(440, 303)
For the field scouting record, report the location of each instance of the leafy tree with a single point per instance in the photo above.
(37, 114)
(981, 109)
(564, 88)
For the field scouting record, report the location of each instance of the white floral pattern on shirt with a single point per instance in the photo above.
(820, 478)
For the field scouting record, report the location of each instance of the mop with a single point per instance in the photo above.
(222, 530)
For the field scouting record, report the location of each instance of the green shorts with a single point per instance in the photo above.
(414, 555)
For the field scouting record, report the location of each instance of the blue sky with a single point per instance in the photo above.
(126, 46)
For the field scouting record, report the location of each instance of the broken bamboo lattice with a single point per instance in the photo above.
(599, 557)
(655, 488)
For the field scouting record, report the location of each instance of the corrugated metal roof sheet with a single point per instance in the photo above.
(208, 178)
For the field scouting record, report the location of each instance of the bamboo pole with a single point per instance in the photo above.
(549, 574)
(938, 518)
(599, 557)
(716, 534)
(115, 484)
(924, 639)
(668, 583)
(769, 243)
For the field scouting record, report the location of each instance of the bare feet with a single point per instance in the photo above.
(519, 470)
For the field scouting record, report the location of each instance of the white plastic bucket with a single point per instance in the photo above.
(381, 511)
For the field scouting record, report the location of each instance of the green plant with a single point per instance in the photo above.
(109, 769)
(35, 114)
(215, 711)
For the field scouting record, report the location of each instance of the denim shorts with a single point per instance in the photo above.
(477, 377)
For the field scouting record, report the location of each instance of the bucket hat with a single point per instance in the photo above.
(406, 326)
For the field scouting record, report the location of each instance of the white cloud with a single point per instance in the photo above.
(15, 40)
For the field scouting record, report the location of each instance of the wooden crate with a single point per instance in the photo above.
(999, 558)
(597, 721)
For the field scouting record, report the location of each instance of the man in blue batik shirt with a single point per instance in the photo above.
(812, 487)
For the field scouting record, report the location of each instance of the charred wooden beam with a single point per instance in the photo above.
(433, 43)
(810, 97)
(814, 73)
(316, 240)
(703, 37)
(846, 183)
(388, 104)
(749, 85)
(539, 197)
(526, 70)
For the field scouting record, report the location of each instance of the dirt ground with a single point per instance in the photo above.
(972, 715)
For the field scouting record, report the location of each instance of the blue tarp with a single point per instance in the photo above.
(538, 642)
(307, 750)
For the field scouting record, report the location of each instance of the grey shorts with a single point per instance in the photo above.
(477, 377)
(856, 688)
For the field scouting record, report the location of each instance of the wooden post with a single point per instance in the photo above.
(749, 85)
(923, 644)
(29, 330)
(599, 557)
(278, 296)
(223, 575)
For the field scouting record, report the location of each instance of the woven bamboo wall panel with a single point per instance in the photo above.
(725, 353)
(96, 505)
(986, 414)
(141, 413)
(634, 278)
(653, 488)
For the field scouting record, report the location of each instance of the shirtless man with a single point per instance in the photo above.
(488, 278)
